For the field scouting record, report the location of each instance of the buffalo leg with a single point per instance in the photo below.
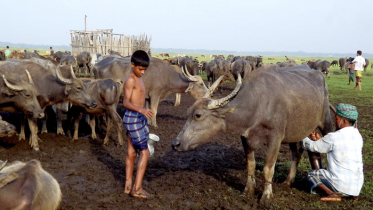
(44, 124)
(108, 129)
(269, 168)
(178, 98)
(117, 120)
(296, 155)
(154, 101)
(33, 134)
(92, 124)
(77, 118)
(59, 120)
(22, 135)
(250, 161)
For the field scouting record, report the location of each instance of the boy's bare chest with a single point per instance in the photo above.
(140, 87)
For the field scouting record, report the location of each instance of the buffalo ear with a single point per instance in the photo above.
(189, 88)
(225, 111)
(7, 91)
(67, 89)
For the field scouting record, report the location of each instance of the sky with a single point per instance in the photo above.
(332, 26)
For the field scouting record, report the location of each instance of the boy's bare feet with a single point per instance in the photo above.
(127, 188)
(141, 193)
(331, 198)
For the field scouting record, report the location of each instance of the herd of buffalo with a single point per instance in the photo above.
(267, 105)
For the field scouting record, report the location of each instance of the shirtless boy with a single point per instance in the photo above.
(135, 122)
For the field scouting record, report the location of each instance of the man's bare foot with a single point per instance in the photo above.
(127, 188)
(141, 193)
(331, 198)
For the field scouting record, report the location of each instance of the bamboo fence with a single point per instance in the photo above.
(102, 40)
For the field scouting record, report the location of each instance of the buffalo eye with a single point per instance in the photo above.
(28, 95)
(79, 88)
(198, 116)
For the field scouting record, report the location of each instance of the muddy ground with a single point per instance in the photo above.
(213, 176)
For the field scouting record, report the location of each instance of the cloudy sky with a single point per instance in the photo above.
(335, 26)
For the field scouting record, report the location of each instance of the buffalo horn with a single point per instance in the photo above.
(29, 77)
(63, 80)
(72, 72)
(214, 104)
(192, 79)
(213, 87)
(10, 86)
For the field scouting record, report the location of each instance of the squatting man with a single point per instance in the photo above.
(344, 176)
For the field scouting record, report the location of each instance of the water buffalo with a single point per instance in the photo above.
(191, 64)
(28, 186)
(84, 61)
(295, 102)
(242, 67)
(106, 93)
(323, 66)
(160, 79)
(334, 63)
(68, 60)
(58, 56)
(371, 67)
(342, 63)
(288, 63)
(28, 55)
(52, 87)
(6, 129)
(19, 93)
(366, 64)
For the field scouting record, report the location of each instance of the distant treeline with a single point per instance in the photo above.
(32, 46)
(266, 53)
(201, 51)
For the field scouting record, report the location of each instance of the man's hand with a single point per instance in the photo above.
(147, 113)
(315, 136)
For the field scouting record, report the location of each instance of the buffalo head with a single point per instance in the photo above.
(75, 90)
(24, 95)
(205, 120)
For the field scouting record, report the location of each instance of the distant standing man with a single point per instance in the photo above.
(344, 177)
(359, 62)
(7, 52)
(52, 52)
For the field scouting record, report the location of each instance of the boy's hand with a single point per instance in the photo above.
(315, 136)
(147, 113)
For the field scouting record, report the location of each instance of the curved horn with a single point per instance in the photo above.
(72, 72)
(63, 80)
(190, 78)
(213, 87)
(213, 104)
(29, 77)
(10, 86)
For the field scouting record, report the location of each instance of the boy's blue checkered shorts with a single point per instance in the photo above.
(136, 125)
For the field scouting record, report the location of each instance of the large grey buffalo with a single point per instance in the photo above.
(160, 79)
(28, 186)
(273, 106)
(19, 93)
(342, 63)
(52, 87)
(106, 93)
(84, 61)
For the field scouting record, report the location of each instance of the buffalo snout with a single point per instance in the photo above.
(92, 105)
(175, 145)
